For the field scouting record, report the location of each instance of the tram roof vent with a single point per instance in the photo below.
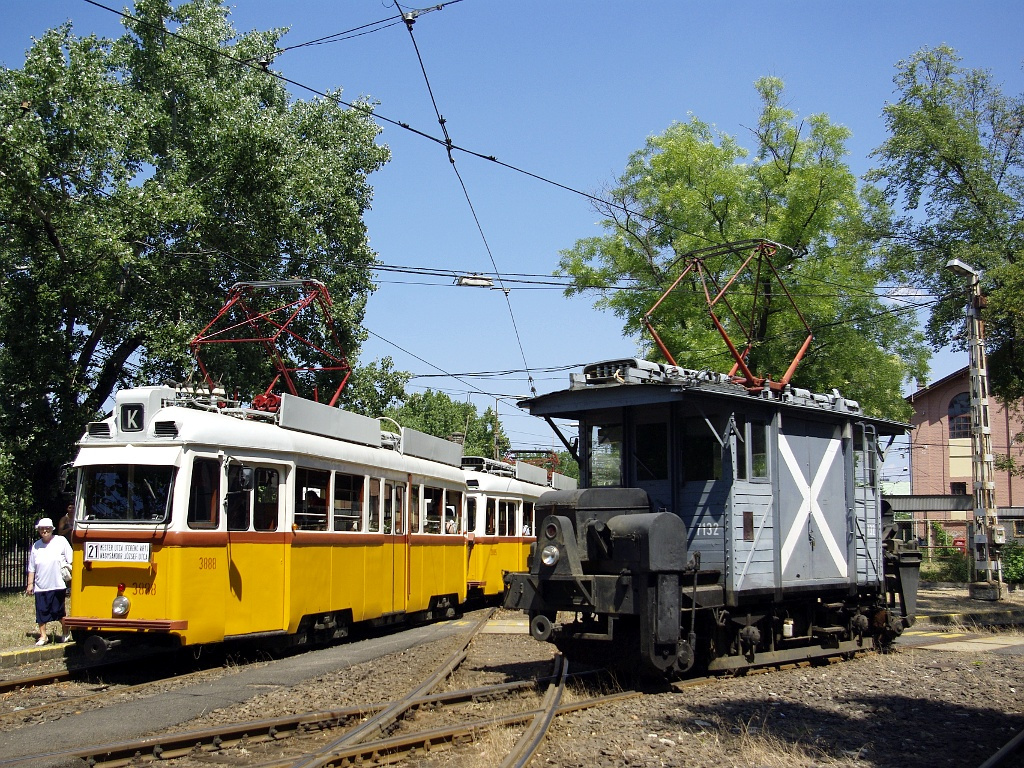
(165, 429)
(99, 429)
(490, 466)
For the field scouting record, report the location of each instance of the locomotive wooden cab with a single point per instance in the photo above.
(718, 524)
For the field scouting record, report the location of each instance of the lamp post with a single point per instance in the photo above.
(987, 535)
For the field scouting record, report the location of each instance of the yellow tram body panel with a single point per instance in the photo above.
(490, 557)
(437, 566)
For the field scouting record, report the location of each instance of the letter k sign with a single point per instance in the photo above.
(133, 417)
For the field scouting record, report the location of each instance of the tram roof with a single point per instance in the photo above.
(631, 382)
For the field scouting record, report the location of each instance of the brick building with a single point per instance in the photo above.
(941, 454)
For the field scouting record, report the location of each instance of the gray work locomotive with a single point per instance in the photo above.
(714, 523)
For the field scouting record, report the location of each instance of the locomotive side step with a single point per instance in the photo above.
(827, 631)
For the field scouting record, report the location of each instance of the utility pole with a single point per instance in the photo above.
(988, 534)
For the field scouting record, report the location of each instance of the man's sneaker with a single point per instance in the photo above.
(42, 641)
(67, 638)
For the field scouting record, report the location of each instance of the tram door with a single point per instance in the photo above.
(256, 553)
(399, 548)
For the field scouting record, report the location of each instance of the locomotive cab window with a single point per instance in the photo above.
(650, 451)
(701, 450)
(133, 493)
(605, 455)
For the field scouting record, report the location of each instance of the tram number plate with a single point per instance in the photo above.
(117, 551)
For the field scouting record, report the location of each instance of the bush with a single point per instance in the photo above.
(1012, 557)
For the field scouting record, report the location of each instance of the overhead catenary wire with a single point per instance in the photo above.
(409, 21)
(451, 148)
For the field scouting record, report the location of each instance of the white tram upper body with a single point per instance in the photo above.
(197, 522)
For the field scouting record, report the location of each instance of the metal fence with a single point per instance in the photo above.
(16, 537)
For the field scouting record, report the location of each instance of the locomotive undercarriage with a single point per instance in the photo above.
(709, 636)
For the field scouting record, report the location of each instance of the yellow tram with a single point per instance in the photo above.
(197, 522)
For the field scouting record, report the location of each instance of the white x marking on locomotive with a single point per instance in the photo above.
(809, 506)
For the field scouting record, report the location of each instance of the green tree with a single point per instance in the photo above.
(954, 161)
(693, 187)
(437, 414)
(139, 179)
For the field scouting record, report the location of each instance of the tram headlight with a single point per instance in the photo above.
(121, 605)
(549, 555)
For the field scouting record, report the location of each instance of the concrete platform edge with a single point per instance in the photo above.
(34, 654)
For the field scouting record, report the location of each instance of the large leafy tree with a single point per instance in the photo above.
(693, 187)
(139, 179)
(437, 414)
(954, 161)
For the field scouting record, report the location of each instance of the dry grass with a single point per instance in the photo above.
(17, 620)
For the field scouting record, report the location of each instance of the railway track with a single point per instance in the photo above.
(510, 717)
(59, 693)
(363, 734)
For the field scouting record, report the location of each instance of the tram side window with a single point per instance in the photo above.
(399, 509)
(348, 502)
(433, 500)
(238, 502)
(453, 512)
(605, 455)
(267, 489)
(373, 522)
(492, 518)
(414, 509)
(204, 494)
(389, 494)
(506, 517)
(311, 486)
(471, 519)
(528, 522)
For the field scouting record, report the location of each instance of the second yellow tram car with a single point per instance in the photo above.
(500, 524)
(198, 523)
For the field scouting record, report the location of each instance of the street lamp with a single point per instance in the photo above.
(988, 535)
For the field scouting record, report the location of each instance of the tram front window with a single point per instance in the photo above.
(127, 493)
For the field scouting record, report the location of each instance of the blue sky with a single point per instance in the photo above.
(565, 90)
